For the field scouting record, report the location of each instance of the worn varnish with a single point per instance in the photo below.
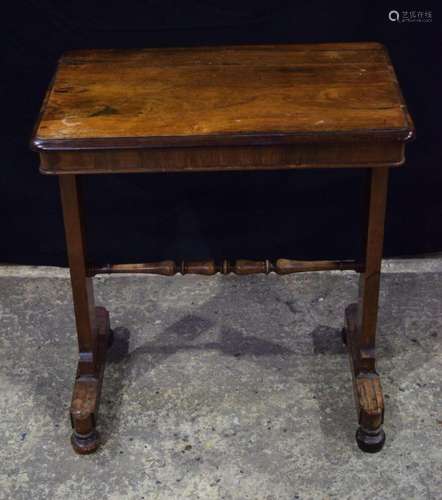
(224, 108)
(185, 109)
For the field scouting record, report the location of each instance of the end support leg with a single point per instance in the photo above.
(361, 320)
(92, 323)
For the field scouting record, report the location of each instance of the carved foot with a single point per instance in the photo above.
(370, 436)
(370, 441)
(367, 390)
(87, 389)
(85, 444)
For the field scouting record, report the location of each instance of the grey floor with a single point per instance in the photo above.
(226, 387)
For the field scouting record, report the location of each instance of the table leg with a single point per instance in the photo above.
(361, 319)
(92, 323)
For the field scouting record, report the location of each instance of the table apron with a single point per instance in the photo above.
(187, 159)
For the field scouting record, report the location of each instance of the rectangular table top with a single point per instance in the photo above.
(221, 95)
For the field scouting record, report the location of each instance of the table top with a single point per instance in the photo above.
(142, 98)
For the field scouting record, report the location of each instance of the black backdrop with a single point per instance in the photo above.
(263, 214)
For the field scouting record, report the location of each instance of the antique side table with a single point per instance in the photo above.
(214, 109)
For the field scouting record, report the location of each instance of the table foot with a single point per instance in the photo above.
(85, 444)
(367, 390)
(370, 441)
(87, 389)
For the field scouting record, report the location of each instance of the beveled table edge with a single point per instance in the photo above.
(255, 139)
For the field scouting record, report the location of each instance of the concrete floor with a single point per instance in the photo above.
(221, 387)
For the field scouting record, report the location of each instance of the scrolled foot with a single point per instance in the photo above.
(85, 444)
(370, 441)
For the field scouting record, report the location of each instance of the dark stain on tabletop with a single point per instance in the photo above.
(107, 110)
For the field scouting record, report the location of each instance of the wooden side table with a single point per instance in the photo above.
(224, 108)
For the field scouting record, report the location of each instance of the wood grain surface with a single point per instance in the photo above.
(113, 99)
